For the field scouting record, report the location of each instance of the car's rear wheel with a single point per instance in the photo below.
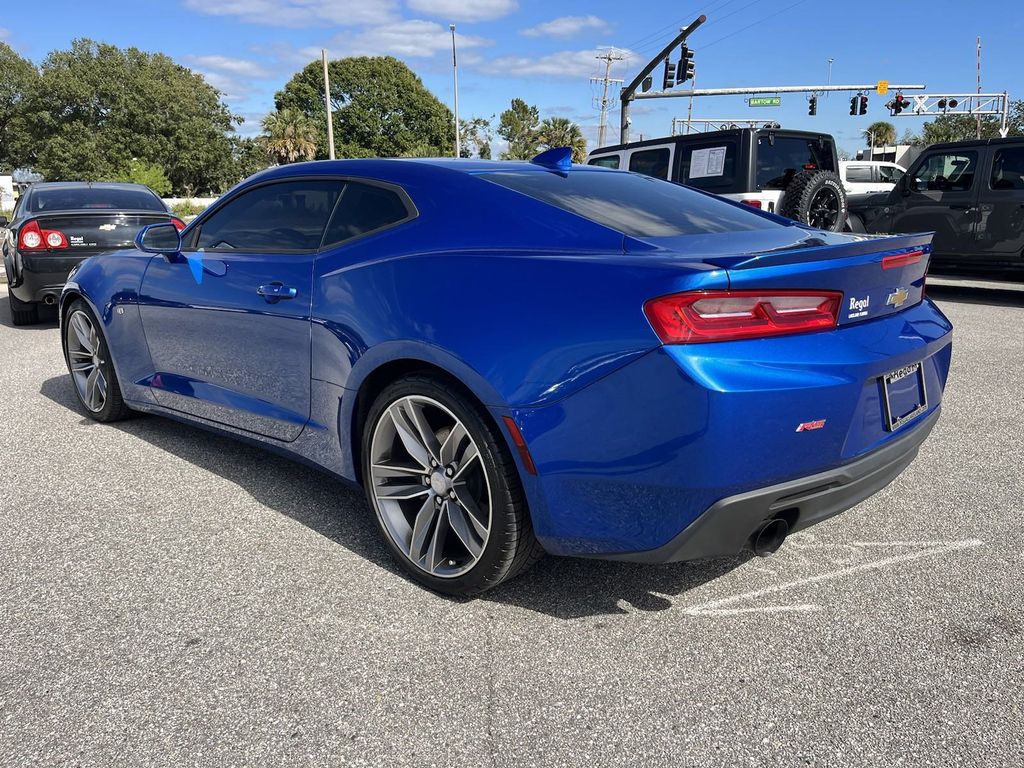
(445, 489)
(22, 312)
(88, 359)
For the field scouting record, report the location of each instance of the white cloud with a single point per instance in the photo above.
(412, 38)
(567, 26)
(569, 64)
(300, 13)
(465, 10)
(244, 68)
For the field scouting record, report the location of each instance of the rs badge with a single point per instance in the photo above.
(807, 426)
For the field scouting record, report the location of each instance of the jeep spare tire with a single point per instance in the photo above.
(817, 199)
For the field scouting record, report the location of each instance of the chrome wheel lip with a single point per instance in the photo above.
(434, 509)
(83, 351)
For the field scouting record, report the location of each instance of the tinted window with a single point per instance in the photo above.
(287, 216)
(364, 208)
(99, 198)
(780, 158)
(890, 173)
(650, 162)
(709, 166)
(632, 204)
(612, 161)
(946, 172)
(1008, 169)
(858, 173)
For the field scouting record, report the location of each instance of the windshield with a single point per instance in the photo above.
(632, 204)
(99, 198)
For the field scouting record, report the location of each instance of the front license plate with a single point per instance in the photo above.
(904, 396)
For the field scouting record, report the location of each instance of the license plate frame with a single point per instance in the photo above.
(900, 410)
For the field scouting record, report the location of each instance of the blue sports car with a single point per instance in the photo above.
(515, 358)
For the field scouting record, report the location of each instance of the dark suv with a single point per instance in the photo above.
(970, 193)
(792, 173)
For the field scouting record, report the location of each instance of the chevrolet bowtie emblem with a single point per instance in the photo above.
(897, 297)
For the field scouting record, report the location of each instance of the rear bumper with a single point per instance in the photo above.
(36, 277)
(726, 527)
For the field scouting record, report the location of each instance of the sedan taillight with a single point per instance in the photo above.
(703, 316)
(32, 238)
(178, 223)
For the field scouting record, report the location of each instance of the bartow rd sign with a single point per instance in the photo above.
(764, 101)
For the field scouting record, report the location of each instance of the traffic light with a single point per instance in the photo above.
(899, 104)
(812, 105)
(853, 105)
(670, 75)
(686, 68)
(863, 105)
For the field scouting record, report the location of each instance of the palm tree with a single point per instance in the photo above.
(289, 136)
(563, 132)
(881, 134)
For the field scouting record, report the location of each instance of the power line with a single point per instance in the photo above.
(753, 24)
(650, 41)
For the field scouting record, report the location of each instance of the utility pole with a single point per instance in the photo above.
(327, 106)
(455, 74)
(607, 57)
(979, 82)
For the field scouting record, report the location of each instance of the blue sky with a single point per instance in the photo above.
(545, 52)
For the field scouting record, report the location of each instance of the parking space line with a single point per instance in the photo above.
(721, 607)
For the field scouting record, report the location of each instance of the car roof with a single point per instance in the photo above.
(709, 136)
(89, 185)
(977, 143)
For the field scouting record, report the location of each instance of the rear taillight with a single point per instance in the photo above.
(902, 259)
(703, 316)
(32, 238)
(178, 223)
(752, 203)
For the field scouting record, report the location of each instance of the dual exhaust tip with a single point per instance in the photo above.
(767, 539)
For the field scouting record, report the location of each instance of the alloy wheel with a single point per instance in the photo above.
(823, 211)
(86, 361)
(430, 486)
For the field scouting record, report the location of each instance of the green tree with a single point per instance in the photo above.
(289, 136)
(475, 136)
(563, 132)
(95, 105)
(381, 108)
(882, 134)
(518, 125)
(150, 174)
(958, 128)
(250, 156)
(17, 79)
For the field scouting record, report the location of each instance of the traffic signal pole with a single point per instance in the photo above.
(627, 94)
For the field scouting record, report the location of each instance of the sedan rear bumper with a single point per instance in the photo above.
(726, 527)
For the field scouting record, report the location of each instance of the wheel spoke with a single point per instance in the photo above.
(401, 492)
(83, 330)
(409, 436)
(459, 524)
(397, 469)
(427, 437)
(479, 520)
(92, 390)
(435, 553)
(421, 528)
(464, 461)
(451, 444)
(101, 386)
(85, 366)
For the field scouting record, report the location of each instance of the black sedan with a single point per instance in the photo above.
(58, 224)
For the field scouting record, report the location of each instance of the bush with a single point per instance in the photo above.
(187, 208)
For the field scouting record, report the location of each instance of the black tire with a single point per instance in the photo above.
(511, 546)
(817, 199)
(22, 312)
(113, 408)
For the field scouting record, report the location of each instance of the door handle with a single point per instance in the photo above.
(961, 207)
(276, 291)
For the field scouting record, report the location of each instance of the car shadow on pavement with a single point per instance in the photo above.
(565, 588)
(992, 296)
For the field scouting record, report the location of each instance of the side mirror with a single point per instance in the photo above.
(3, 221)
(159, 238)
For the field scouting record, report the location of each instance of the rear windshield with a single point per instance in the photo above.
(100, 198)
(632, 204)
(780, 158)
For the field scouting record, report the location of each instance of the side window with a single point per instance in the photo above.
(858, 173)
(946, 172)
(364, 208)
(274, 218)
(650, 162)
(1008, 169)
(709, 166)
(890, 174)
(611, 161)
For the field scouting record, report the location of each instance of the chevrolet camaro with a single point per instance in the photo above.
(514, 358)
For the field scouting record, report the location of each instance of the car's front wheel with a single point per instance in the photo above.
(88, 359)
(445, 489)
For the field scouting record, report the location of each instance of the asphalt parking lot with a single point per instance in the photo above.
(170, 597)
